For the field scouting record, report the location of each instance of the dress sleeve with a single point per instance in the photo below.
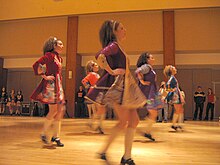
(86, 82)
(39, 63)
(109, 50)
(173, 83)
(144, 69)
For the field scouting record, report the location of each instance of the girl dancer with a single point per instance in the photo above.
(147, 83)
(50, 90)
(117, 77)
(89, 82)
(174, 96)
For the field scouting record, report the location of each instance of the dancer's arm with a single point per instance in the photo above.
(103, 63)
(38, 67)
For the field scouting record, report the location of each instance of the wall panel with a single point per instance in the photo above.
(185, 78)
(197, 30)
(25, 38)
(144, 31)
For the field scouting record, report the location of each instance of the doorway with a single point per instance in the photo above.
(216, 90)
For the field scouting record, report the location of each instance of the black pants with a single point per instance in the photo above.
(210, 106)
(80, 110)
(199, 107)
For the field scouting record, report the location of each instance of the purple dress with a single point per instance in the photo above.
(150, 91)
(116, 59)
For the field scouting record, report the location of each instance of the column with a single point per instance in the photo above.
(71, 63)
(168, 38)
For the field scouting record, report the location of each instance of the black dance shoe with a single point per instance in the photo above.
(102, 156)
(147, 135)
(179, 127)
(128, 161)
(57, 140)
(174, 127)
(44, 139)
(100, 130)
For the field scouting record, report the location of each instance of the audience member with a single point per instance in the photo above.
(210, 105)
(199, 99)
(19, 100)
(3, 100)
(11, 102)
(80, 104)
(163, 112)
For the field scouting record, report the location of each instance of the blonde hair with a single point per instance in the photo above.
(167, 71)
(89, 66)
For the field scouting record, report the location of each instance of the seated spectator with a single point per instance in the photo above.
(19, 100)
(11, 102)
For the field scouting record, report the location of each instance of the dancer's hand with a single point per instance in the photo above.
(48, 77)
(118, 71)
(145, 82)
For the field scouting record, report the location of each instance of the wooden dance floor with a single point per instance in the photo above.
(199, 144)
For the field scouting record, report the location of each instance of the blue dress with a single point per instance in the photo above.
(173, 96)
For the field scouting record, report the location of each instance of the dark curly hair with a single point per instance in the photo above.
(106, 33)
(49, 44)
(143, 59)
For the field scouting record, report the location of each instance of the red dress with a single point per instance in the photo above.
(90, 79)
(49, 92)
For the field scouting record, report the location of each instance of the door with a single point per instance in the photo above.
(216, 90)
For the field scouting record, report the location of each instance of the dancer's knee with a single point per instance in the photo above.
(122, 125)
(133, 124)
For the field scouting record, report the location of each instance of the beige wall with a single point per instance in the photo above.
(144, 31)
(197, 30)
(25, 38)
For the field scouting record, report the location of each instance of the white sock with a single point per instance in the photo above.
(47, 125)
(150, 123)
(89, 110)
(175, 118)
(102, 117)
(129, 136)
(56, 128)
(95, 121)
(114, 133)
